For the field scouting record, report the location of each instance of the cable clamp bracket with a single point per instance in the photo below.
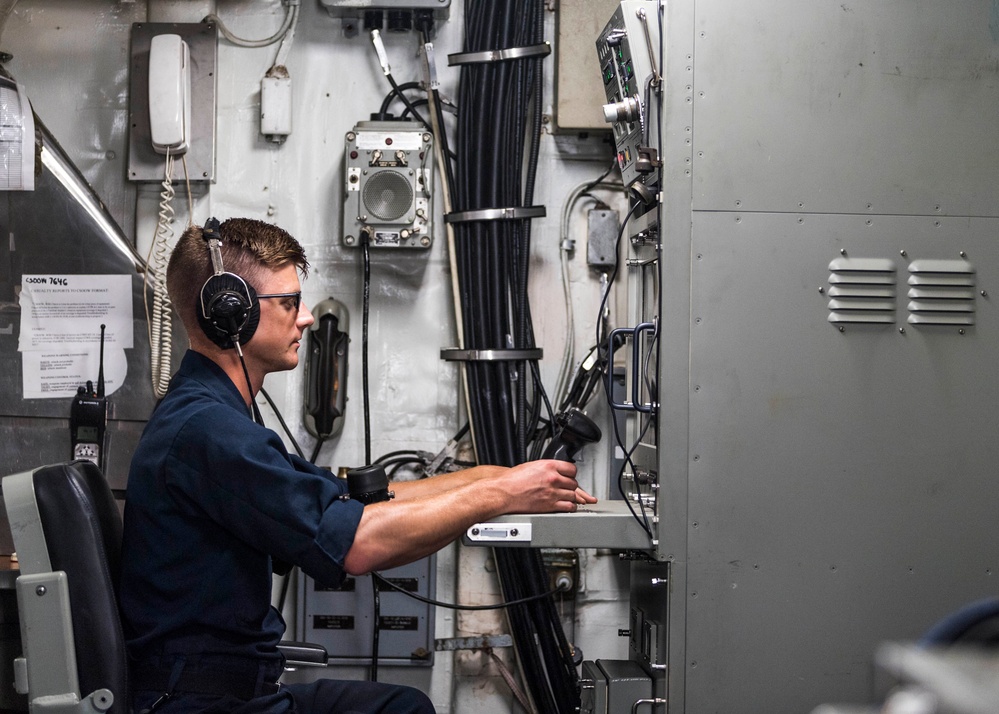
(430, 66)
(473, 643)
(496, 214)
(460, 355)
(511, 53)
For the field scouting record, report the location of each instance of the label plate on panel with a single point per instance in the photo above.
(500, 533)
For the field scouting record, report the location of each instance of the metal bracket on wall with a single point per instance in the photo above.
(542, 50)
(511, 355)
(512, 213)
(473, 643)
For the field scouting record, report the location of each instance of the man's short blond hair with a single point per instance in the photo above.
(248, 247)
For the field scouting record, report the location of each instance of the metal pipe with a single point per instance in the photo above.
(639, 702)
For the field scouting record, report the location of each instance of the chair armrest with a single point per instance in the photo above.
(303, 654)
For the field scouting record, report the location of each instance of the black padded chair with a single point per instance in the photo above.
(67, 533)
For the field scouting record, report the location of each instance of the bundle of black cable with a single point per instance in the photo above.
(500, 106)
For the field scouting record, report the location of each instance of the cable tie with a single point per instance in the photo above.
(495, 214)
(510, 53)
(459, 355)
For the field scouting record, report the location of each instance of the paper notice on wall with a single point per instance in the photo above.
(60, 339)
(59, 374)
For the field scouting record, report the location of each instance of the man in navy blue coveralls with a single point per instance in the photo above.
(214, 500)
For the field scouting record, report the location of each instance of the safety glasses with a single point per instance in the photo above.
(296, 295)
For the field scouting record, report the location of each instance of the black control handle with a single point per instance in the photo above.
(574, 431)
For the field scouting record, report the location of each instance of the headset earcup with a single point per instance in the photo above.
(230, 303)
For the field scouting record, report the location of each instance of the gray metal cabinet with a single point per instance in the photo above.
(830, 266)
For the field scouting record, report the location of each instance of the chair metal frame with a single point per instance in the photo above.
(47, 669)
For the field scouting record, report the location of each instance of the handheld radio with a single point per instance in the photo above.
(88, 418)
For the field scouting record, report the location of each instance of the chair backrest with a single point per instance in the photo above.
(82, 536)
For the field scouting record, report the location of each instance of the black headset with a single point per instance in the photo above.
(230, 311)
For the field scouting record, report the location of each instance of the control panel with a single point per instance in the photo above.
(343, 619)
(628, 49)
(388, 180)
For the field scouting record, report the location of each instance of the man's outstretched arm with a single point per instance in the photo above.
(426, 516)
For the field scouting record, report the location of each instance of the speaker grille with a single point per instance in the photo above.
(387, 195)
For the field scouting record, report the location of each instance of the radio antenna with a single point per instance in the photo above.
(100, 368)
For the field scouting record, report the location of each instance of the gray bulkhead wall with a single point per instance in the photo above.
(825, 489)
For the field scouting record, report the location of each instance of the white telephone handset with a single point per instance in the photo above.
(169, 94)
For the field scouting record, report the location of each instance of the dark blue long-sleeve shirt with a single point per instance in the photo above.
(212, 497)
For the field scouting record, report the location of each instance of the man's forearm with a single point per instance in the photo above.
(392, 533)
(442, 482)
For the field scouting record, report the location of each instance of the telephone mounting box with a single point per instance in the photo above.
(144, 164)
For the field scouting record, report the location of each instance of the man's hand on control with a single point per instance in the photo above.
(543, 487)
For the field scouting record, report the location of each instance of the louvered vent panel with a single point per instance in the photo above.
(862, 290)
(941, 292)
